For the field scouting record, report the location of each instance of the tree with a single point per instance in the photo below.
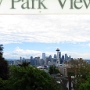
(3, 84)
(24, 64)
(53, 70)
(3, 65)
(1, 50)
(80, 69)
(30, 78)
(86, 84)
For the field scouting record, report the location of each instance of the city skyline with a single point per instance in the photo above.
(32, 35)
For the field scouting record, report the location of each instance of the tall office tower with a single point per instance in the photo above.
(21, 59)
(66, 57)
(58, 59)
(37, 61)
(60, 55)
(31, 60)
(62, 58)
(31, 57)
(50, 56)
(55, 56)
(57, 53)
(69, 58)
(43, 56)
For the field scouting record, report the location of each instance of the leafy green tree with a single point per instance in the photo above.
(81, 70)
(3, 84)
(30, 78)
(3, 65)
(82, 76)
(24, 64)
(86, 84)
(53, 70)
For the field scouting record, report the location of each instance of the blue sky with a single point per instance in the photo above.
(31, 35)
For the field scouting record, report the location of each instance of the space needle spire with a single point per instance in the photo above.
(58, 59)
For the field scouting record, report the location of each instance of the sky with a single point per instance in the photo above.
(32, 35)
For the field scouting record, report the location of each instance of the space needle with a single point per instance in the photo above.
(58, 59)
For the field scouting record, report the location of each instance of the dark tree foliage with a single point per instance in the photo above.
(24, 64)
(3, 65)
(30, 78)
(1, 50)
(80, 69)
(53, 70)
(86, 84)
(3, 84)
(24, 77)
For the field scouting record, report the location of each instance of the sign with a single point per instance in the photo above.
(44, 6)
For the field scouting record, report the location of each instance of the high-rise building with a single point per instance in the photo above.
(21, 59)
(66, 57)
(60, 55)
(57, 53)
(69, 58)
(55, 56)
(62, 58)
(50, 56)
(43, 56)
(31, 57)
(37, 59)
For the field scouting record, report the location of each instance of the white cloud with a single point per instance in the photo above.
(25, 53)
(84, 55)
(44, 28)
(88, 44)
(19, 52)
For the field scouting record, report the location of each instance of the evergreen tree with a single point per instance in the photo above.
(53, 70)
(3, 65)
(30, 78)
(24, 64)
